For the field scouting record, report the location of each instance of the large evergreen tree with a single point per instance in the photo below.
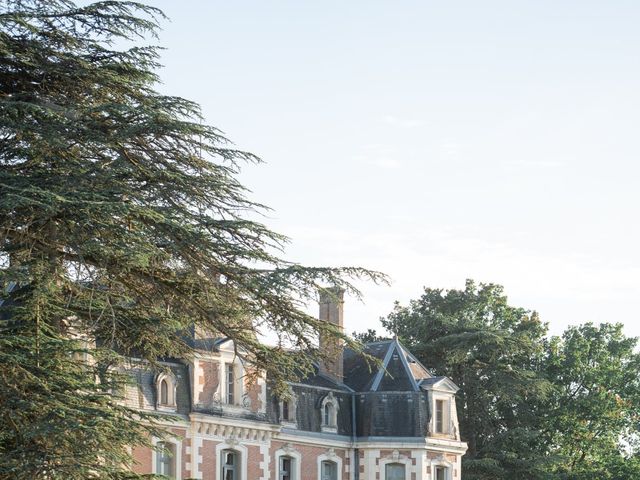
(121, 221)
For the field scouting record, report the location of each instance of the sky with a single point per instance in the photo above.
(434, 141)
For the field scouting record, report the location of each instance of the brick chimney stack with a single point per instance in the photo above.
(332, 310)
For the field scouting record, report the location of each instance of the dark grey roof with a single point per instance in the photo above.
(391, 368)
(317, 379)
(431, 381)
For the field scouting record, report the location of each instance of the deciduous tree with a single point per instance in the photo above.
(493, 352)
(594, 412)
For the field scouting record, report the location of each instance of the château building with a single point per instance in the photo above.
(347, 421)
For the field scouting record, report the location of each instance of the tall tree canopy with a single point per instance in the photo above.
(491, 350)
(121, 220)
(530, 406)
(593, 417)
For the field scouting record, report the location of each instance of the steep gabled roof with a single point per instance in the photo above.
(399, 370)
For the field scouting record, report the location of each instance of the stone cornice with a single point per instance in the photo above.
(233, 429)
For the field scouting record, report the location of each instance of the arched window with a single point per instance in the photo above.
(230, 465)
(286, 468)
(329, 413)
(394, 471)
(329, 470)
(166, 459)
(288, 409)
(164, 392)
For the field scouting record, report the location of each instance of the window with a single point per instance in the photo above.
(328, 414)
(286, 468)
(166, 459)
(440, 416)
(164, 392)
(394, 471)
(440, 473)
(231, 382)
(329, 471)
(288, 409)
(230, 465)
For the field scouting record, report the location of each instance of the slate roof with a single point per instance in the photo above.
(382, 394)
(398, 369)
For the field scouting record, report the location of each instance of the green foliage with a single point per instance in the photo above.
(121, 219)
(530, 407)
(367, 337)
(492, 351)
(594, 414)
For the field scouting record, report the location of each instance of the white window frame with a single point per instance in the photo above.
(396, 458)
(238, 383)
(292, 400)
(383, 469)
(242, 454)
(331, 401)
(177, 458)
(297, 461)
(172, 385)
(446, 414)
(230, 368)
(330, 457)
(442, 463)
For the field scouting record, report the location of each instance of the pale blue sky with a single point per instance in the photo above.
(435, 141)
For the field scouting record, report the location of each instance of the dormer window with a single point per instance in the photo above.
(441, 417)
(329, 413)
(288, 409)
(166, 391)
(230, 383)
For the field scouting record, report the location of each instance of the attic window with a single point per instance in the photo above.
(288, 409)
(441, 416)
(166, 391)
(329, 413)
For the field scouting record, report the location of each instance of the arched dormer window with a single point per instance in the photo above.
(329, 413)
(166, 391)
(288, 409)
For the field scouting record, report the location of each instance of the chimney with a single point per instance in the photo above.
(332, 311)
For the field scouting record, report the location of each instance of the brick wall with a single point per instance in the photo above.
(208, 379)
(253, 390)
(142, 458)
(208, 456)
